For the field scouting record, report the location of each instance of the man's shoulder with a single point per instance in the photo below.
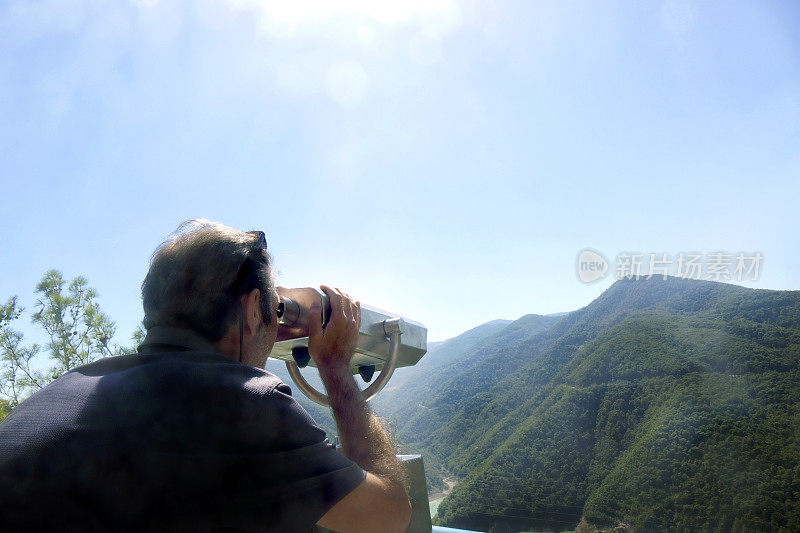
(144, 385)
(194, 368)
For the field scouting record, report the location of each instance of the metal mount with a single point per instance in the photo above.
(391, 329)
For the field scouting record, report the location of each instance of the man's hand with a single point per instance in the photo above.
(333, 346)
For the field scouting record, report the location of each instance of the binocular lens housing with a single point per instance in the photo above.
(288, 312)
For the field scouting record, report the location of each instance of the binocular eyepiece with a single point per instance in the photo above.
(290, 312)
(293, 311)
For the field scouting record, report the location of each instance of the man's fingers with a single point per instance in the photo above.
(342, 306)
(337, 306)
(315, 320)
(355, 311)
(348, 312)
(351, 309)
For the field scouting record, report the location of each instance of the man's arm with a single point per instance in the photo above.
(380, 503)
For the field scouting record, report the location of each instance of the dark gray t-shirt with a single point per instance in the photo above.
(172, 439)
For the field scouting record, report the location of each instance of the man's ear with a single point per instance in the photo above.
(252, 313)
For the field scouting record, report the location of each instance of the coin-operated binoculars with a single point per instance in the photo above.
(385, 341)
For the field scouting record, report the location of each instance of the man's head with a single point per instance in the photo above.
(207, 277)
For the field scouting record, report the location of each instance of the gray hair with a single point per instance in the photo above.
(197, 275)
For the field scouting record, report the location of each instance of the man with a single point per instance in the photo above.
(191, 433)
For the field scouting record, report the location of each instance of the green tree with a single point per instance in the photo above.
(79, 333)
(5, 408)
(17, 379)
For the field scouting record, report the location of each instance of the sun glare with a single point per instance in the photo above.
(288, 16)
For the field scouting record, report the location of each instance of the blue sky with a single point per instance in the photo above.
(445, 160)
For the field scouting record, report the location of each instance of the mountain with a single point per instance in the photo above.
(664, 405)
(411, 402)
(439, 354)
(432, 345)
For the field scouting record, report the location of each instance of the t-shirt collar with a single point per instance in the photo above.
(181, 338)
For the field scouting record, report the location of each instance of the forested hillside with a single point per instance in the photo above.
(664, 405)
